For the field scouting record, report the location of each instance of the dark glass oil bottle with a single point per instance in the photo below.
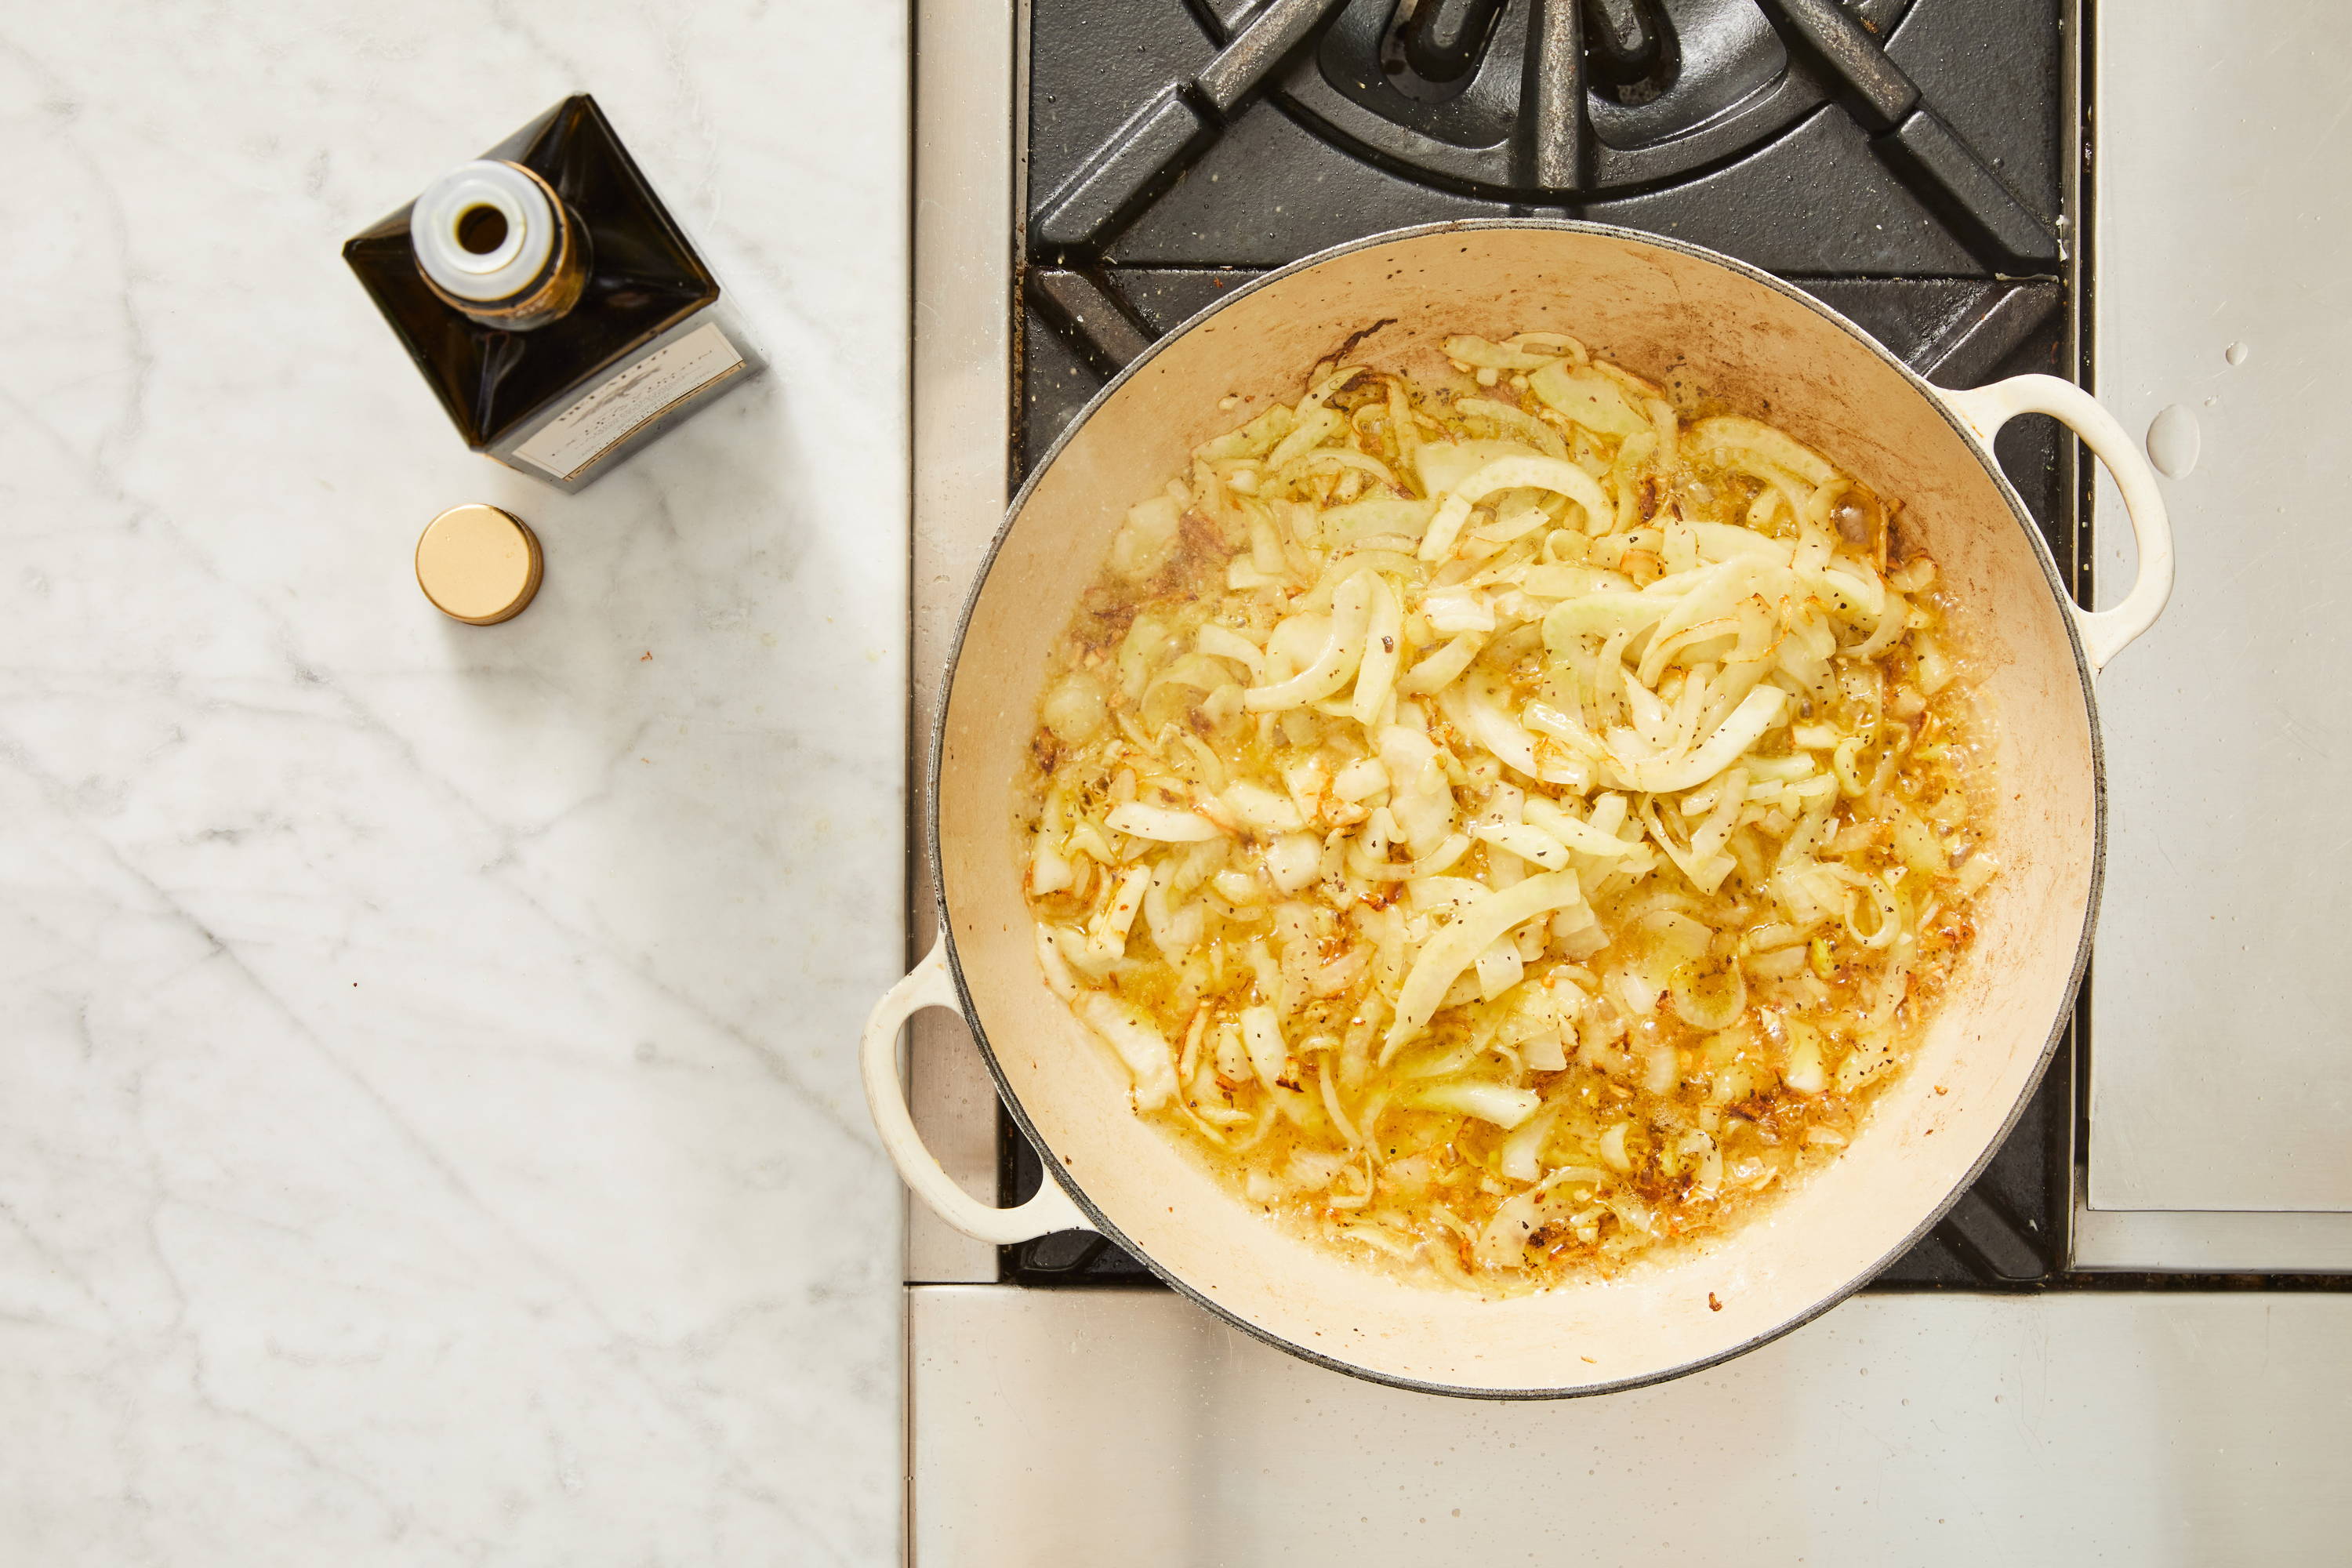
(551, 300)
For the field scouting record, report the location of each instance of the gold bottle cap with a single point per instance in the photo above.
(478, 565)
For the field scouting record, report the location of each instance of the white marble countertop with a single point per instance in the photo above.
(429, 1129)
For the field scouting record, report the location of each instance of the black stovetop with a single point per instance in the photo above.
(1902, 160)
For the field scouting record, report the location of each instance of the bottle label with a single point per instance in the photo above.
(629, 400)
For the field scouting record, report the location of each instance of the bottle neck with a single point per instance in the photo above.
(494, 242)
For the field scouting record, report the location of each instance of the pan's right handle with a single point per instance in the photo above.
(1986, 409)
(929, 985)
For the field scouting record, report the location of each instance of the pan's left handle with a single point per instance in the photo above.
(1986, 409)
(929, 985)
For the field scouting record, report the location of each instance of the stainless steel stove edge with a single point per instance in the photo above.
(2145, 1240)
(967, 174)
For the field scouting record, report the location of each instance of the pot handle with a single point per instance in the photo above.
(1985, 410)
(929, 985)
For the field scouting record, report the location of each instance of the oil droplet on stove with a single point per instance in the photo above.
(2235, 353)
(2172, 441)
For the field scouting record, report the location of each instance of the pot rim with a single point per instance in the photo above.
(1982, 450)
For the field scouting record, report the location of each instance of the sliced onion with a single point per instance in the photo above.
(1383, 649)
(1160, 824)
(1709, 1000)
(1129, 1029)
(1525, 841)
(1352, 609)
(1756, 713)
(1453, 949)
(1498, 1103)
(1570, 603)
(1440, 669)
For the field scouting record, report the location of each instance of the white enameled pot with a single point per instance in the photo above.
(1763, 346)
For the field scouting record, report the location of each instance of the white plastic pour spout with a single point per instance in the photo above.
(484, 231)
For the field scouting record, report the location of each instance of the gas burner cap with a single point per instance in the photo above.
(1557, 98)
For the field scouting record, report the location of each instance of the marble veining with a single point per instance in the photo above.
(429, 1130)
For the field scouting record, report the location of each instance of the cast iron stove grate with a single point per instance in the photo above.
(1902, 160)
